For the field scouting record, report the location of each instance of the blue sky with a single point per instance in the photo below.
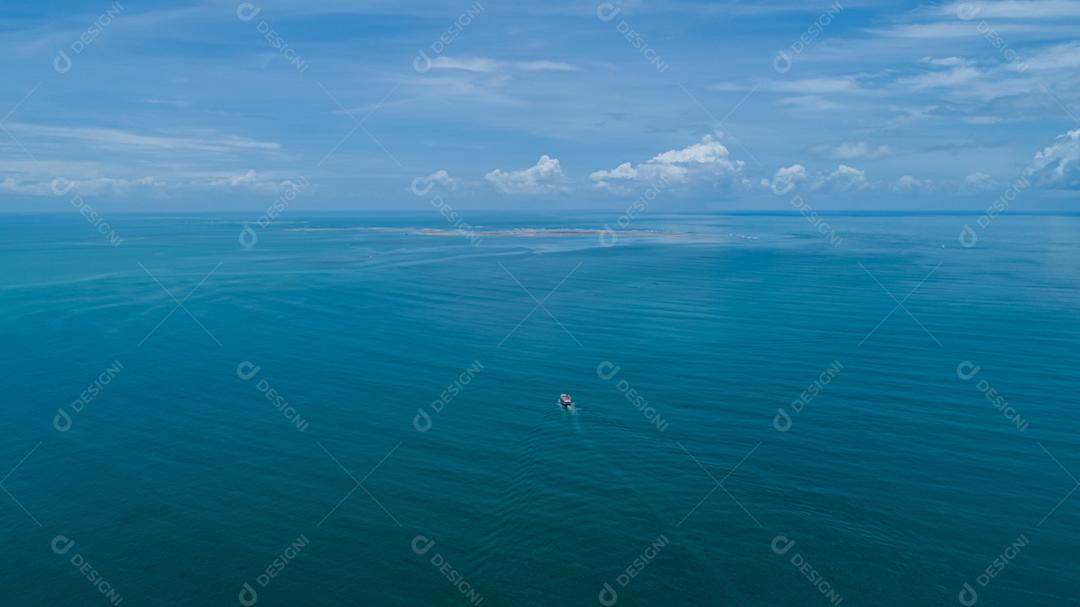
(145, 106)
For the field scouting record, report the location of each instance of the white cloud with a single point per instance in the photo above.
(978, 182)
(232, 181)
(1011, 9)
(853, 150)
(706, 159)
(179, 103)
(116, 139)
(99, 186)
(623, 171)
(86, 184)
(491, 81)
(786, 179)
(844, 179)
(1058, 165)
(11, 185)
(1058, 57)
(486, 65)
(810, 102)
(983, 120)
(545, 177)
(907, 183)
(803, 86)
(955, 76)
(487, 88)
(956, 28)
(945, 61)
(545, 66)
(250, 180)
(422, 185)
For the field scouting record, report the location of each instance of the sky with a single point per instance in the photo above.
(143, 106)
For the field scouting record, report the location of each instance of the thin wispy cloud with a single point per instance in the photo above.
(116, 139)
(486, 65)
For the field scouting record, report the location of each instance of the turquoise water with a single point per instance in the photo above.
(180, 481)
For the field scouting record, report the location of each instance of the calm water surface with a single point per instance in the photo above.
(899, 478)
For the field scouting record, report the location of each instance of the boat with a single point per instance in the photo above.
(566, 401)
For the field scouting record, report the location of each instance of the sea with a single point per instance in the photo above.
(362, 409)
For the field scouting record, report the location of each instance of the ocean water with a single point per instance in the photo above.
(362, 410)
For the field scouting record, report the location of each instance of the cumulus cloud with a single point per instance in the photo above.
(623, 171)
(978, 182)
(907, 183)
(706, 159)
(844, 179)
(1057, 166)
(853, 150)
(545, 177)
(841, 180)
(786, 179)
(242, 179)
(422, 185)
